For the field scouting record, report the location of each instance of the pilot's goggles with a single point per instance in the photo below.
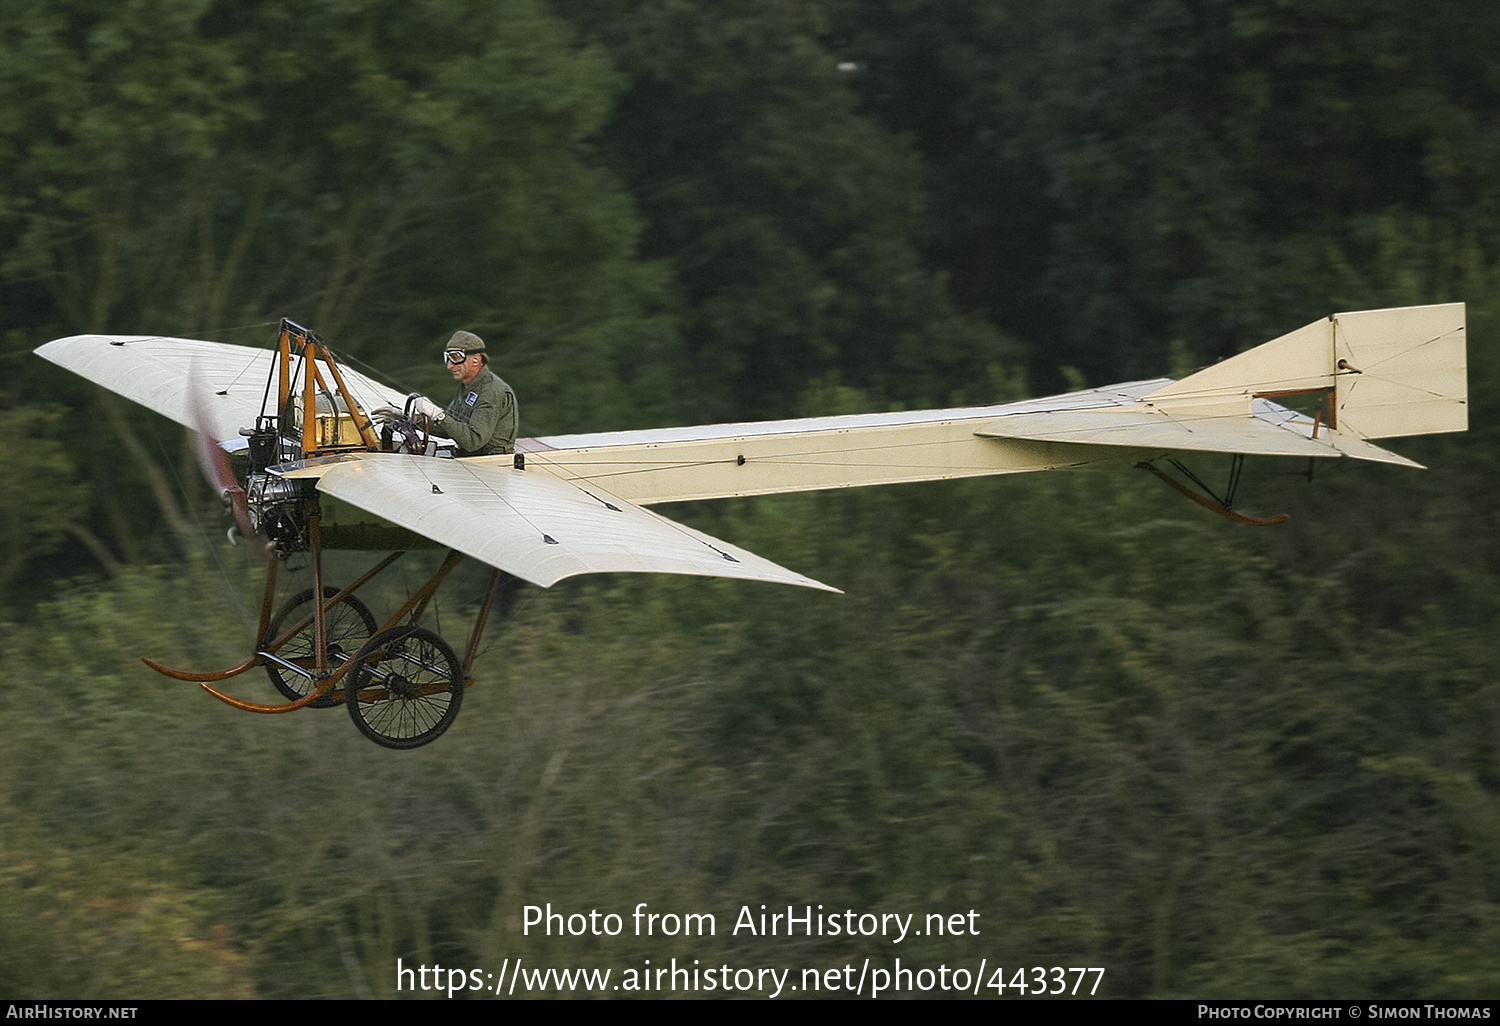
(455, 356)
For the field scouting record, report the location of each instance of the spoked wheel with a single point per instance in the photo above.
(404, 688)
(347, 626)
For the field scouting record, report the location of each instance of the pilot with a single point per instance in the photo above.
(483, 416)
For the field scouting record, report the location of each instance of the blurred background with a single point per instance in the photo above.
(1216, 760)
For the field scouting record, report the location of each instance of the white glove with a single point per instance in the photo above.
(385, 414)
(421, 406)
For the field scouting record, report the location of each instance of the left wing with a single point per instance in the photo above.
(532, 525)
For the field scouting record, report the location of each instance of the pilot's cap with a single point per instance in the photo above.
(467, 341)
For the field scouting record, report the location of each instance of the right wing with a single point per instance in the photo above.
(532, 525)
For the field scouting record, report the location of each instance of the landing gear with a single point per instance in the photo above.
(293, 668)
(406, 687)
(403, 684)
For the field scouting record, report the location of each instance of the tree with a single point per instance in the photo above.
(786, 217)
(1109, 177)
(382, 172)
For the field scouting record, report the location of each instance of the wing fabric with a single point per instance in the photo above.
(535, 526)
(160, 373)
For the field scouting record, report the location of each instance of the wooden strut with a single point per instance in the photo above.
(309, 396)
(1215, 505)
(361, 419)
(275, 645)
(507, 599)
(417, 603)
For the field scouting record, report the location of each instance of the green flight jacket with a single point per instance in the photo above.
(482, 418)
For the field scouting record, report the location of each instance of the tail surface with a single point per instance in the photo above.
(1389, 373)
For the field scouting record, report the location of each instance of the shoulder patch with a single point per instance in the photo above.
(471, 398)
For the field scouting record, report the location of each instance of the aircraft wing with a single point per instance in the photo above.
(160, 373)
(533, 526)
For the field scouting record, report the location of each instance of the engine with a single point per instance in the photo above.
(280, 510)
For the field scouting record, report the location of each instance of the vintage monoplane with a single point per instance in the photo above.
(311, 472)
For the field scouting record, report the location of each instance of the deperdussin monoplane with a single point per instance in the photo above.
(287, 438)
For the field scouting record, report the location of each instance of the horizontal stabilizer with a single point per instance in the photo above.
(1267, 430)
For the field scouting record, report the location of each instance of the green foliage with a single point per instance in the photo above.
(788, 219)
(94, 924)
(1108, 177)
(382, 172)
(40, 494)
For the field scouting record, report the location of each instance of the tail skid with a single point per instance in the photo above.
(1208, 500)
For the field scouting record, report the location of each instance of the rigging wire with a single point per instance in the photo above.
(238, 327)
(375, 374)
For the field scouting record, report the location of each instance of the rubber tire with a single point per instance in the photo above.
(347, 625)
(405, 688)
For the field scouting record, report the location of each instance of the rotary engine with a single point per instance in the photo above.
(279, 509)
